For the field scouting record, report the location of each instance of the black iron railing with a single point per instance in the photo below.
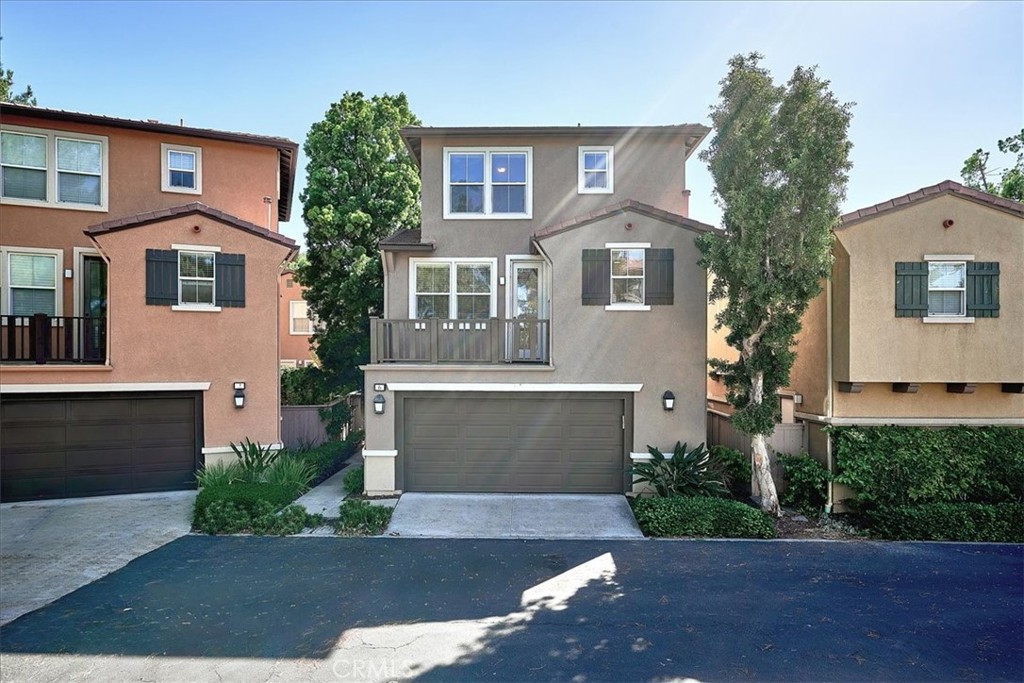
(50, 339)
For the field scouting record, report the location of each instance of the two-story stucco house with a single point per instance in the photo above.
(295, 326)
(547, 322)
(139, 266)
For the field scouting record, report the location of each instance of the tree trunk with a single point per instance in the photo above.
(763, 475)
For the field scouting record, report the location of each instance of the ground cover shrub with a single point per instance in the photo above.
(1001, 522)
(353, 480)
(360, 518)
(230, 517)
(244, 495)
(330, 456)
(685, 473)
(701, 516)
(734, 469)
(806, 483)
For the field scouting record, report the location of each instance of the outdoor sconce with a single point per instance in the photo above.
(378, 405)
(239, 394)
(668, 399)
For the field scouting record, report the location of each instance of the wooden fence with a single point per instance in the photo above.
(788, 439)
(302, 425)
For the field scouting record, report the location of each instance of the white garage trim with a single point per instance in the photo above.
(379, 454)
(217, 450)
(499, 387)
(102, 387)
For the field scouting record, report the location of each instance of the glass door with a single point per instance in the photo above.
(528, 329)
(92, 339)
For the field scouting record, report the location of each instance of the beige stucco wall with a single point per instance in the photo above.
(931, 401)
(884, 348)
(155, 344)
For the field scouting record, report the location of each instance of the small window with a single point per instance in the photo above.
(32, 283)
(79, 171)
(482, 183)
(627, 276)
(459, 290)
(299, 316)
(596, 172)
(196, 278)
(433, 288)
(24, 166)
(947, 288)
(181, 169)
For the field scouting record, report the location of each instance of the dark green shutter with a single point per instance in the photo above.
(659, 267)
(597, 277)
(911, 289)
(982, 289)
(161, 277)
(230, 280)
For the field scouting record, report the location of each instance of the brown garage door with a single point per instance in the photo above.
(61, 447)
(520, 444)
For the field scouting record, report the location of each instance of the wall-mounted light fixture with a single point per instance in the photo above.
(378, 405)
(239, 394)
(668, 399)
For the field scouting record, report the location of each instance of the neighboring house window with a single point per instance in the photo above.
(596, 170)
(51, 168)
(298, 313)
(181, 169)
(31, 278)
(195, 278)
(947, 288)
(488, 183)
(628, 277)
(461, 289)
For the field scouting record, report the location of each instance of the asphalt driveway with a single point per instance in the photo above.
(50, 548)
(328, 609)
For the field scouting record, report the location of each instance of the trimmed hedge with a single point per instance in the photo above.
(329, 457)
(806, 483)
(893, 466)
(244, 496)
(1003, 522)
(699, 516)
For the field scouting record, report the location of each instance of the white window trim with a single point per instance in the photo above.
(291, 319)
(954, 317)
(453, 302)
(58, 276)
(627, 307)
(51, 169)
(77, 284)
(196, 247)
(181, 306)
(487, 214)
(949, 257)
(623, 306)
(580, 180)
(165, 169)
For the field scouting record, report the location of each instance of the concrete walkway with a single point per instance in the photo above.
(326, 497)
(513, 515)
(52, 547)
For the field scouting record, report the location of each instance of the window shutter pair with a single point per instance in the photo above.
(912, 289)
(162, 279)
(659, 274)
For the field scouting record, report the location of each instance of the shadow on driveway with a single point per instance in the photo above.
(549, 611)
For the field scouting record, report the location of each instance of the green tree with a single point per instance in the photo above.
(361, 186)
(7, 89)
(779, 159)
(1010, 184)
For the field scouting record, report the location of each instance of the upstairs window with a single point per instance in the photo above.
(181, 169)
(627, 276)
(596, 172)
(31, 277)
(24, 166)
(53, 168)
(79, 171)
(459, 289)
(947, 288)
(488, 183)
(298, 314)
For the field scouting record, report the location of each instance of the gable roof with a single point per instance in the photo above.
(406, 240)
(413, 135)
(288, 151)
(623, 207)
(931, 192)
(140, 219)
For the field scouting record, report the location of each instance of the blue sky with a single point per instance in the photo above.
(932, 82)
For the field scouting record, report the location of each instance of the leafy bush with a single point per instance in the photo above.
(353, 480)
(291, 520)
(360, 518)
(290, 470)
(253, 459)
(733, 467)
(305, 386)
(218, 474)
(329, 457)
(806, 483)
(1003, 522)
(245, 495)
(895, 465)
(686, 473)
(697, 516)
(227, 517)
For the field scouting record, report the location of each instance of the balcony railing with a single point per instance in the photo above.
(49, 339)
(435, 340)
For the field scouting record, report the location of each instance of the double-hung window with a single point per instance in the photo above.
(947, 288)
(181, 169)
(462, 289)
(488, 182)
(596, 170)
(196, 278)
(31, 278)
(298, 313)
(53, 168)
(627, 276)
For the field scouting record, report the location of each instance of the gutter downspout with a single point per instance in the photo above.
(106, 260)
(548, 287)
(829, 397)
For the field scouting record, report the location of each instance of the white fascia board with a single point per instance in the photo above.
(102, 387)
(511, 387)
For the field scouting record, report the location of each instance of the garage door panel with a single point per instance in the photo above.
(37, 462)
(488, 432)
(163, 480)
(444, 455)
(28, 438)
(100, 410)
(175, 409)
(79, 459)
(33, 412)
(92, 434)
(180, 455)
(37, 486)
(441, 432)
(157, 433)
(95, 484)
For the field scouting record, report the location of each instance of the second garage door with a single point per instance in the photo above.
(514, 444)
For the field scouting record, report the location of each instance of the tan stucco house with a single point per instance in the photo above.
(139, 265)
(547, 322)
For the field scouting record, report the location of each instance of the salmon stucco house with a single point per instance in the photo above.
(547, 322)
(140, 266)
